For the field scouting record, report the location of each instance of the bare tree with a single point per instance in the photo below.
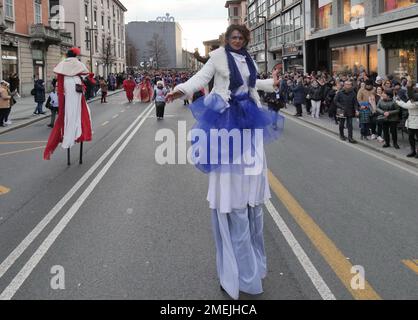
(107, 56)
(158, 51)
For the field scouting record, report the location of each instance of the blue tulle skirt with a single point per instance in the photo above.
(227, 135)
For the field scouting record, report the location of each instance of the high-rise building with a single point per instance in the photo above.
(156, 43)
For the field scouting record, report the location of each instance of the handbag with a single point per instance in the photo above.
(79, 88)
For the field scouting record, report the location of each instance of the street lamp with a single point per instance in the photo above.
(265, 42)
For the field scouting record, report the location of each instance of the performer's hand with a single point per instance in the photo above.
(173, 96)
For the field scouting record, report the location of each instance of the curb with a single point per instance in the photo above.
(406, 161)
(32, 121)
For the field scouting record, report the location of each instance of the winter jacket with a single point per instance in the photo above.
(298, 94)
(217, 66)
(4, 99)
(412, 107)
(315, 93)
(365, 115)
(363, 95)
(39, 91)
(388, 106)
(346, 103)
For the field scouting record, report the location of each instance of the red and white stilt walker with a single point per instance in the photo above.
(73, 124)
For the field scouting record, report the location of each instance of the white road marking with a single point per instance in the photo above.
(300, 254)
(27, 269)
(115, 116)
(105, 123)
(375, 154)
(18, 251)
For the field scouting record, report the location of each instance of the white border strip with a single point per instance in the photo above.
(18, 251)
(300, 254)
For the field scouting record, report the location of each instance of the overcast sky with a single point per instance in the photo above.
(200, 20)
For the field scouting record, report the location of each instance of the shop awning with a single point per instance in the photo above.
(390, 27)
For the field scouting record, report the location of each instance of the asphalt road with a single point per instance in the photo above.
(121, 226)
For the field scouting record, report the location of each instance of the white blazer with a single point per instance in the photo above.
(217, 66)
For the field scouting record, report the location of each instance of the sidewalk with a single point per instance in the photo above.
(325, 123)
(22, 112)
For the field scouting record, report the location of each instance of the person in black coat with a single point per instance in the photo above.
(347, 109)
(298, 96)
(39, 91)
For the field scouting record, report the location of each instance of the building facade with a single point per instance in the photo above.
(98, 29)
(376, 36)
(169, 40)
(237, 11)
(30, 46)
(283, 21)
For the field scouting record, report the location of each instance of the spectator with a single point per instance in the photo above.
(39, 91)
(412, 122)
(346, 102)
(315, 95)
(388, 111)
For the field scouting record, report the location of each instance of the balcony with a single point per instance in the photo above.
(42, 34)
(67, 39)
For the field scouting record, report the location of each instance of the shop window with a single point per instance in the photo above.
(389, 5)
(402, 62)
(323, 13)
(355, 59)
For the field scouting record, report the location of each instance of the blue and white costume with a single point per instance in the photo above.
(236, 191)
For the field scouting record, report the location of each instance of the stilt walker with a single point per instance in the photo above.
(74, 121)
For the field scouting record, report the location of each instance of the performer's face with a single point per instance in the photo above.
(236, 40)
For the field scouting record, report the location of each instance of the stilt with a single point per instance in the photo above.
(68, 157)
(81, 152)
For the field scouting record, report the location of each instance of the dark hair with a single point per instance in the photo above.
(389, 93)
(414, 97)
(71, 54)
(241, 29)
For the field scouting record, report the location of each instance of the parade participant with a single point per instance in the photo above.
(129, 86)
(235, 195)
(104, 88)
(73, 124)
(144, 92)
(159, 96)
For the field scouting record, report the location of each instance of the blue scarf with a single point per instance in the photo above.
(235, 77)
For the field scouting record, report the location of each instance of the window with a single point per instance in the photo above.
(288, 3)
(355, 59)
(389, 5)
(252, 14)
(102, 22)
(103, 45)
(108, 4)
(262, 8)
(119, 32)
(236, 13)
(86, 12)
(323, 13)
(114, 29)
(38, 12)
(352, 9)
(9, 12)
(275, 6)
(87, 41)
(96, 43)
(402, 62)
(108, 25)
(101, 3)
(95, 18)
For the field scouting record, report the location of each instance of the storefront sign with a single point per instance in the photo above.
(9, 57)
(39, 62)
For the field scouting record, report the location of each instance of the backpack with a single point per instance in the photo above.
(33, 92)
